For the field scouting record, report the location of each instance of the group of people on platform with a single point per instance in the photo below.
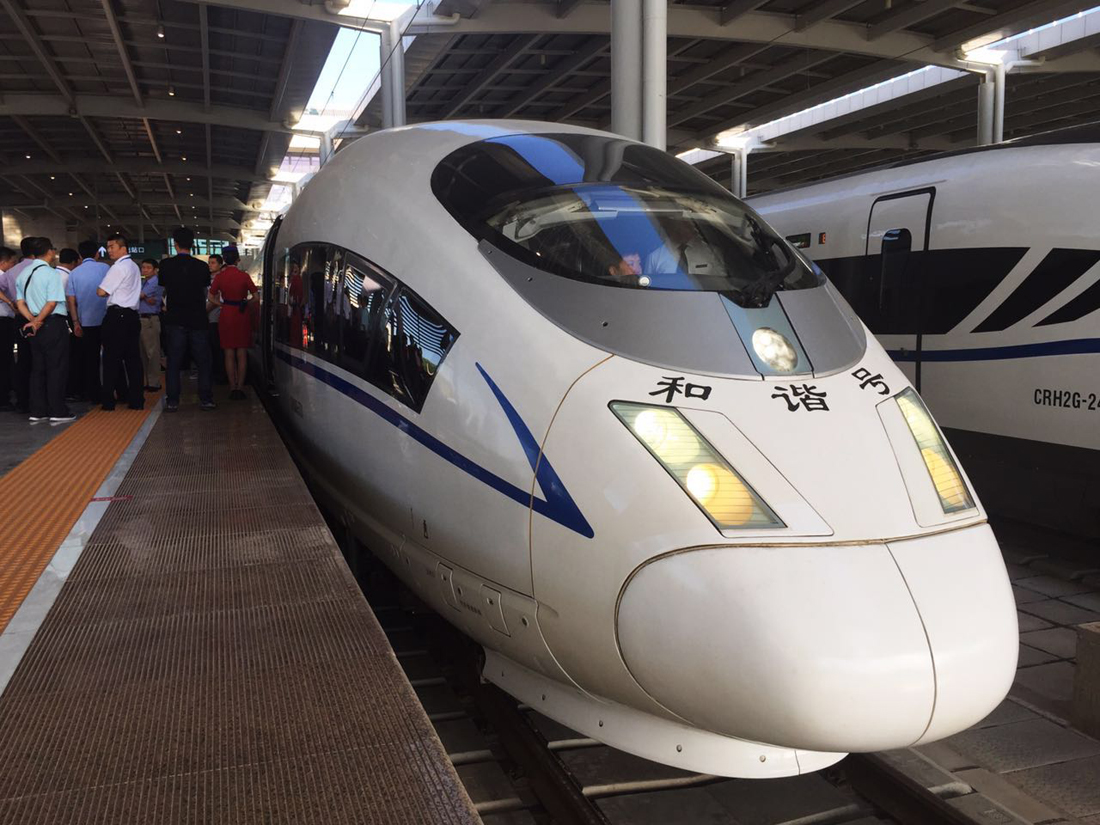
(91, 323)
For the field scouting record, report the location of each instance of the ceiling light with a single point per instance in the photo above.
(160, 32)
(70, 194)
(184, 157)
(53, 177)
(28, 157)
(171, 91)
(179, 131)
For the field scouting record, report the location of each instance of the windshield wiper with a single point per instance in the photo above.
(759, 293)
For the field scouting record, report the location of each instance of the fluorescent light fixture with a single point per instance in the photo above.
(321, 122)
(305, 142)
(374, 9)
(288, 177)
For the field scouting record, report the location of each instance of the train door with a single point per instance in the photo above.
(897, 237)
(269, 299)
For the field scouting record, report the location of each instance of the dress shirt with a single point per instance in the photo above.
(84, 281)
(122, 284)
(151, 289)
(7, 284)
(666, 259)
(65, 272)
(45, 285)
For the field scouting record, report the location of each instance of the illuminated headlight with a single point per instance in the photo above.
(933, 449)
(703, 474)
(774, 349)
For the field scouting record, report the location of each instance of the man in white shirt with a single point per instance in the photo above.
(121, 287)
(8, 259)
(685, 253)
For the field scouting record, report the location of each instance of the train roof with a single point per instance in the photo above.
(1085, 133)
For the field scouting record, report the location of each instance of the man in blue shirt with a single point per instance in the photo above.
(152, 298)
(40, 298)
(84, 281)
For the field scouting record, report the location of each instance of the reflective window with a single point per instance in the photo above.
(607, 211)
(342, 308)
(416, 339)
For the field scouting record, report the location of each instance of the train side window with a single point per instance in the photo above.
(365, 290)
(897, 244)
(414, 340)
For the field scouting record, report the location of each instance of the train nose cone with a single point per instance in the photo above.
(960, 586)
(823, 648)
(819, 648)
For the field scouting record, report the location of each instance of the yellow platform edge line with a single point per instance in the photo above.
(45, 495)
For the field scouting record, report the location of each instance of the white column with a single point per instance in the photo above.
(397, 73)
(999, 104)
(739, 172)
(986, 92)
(626, 68)
(386, 79)
(654, 71)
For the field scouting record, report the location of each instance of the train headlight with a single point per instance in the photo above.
(699, 469)
(945, 474)
(774, 349)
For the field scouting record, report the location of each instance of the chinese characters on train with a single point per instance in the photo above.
(671, 386)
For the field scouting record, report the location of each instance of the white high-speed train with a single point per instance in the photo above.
(979, 271)
(594, 411)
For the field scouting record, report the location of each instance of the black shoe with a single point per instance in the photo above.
(108, 408)
(207, 406)
(135, 406)
(7, 408)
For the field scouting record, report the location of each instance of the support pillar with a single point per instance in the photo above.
(386, 78)
(654, 71)
(999, 104)
(986, 94)
(397, 72)
(739, 172)
(626, 68)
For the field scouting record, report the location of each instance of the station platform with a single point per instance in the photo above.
(183, 642)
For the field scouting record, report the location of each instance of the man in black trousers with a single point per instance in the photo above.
(40, 298)
(122, 326)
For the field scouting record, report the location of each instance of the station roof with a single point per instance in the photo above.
(159, 112)
(153, 112)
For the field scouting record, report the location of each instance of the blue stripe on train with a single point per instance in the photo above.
(1081, 346)
(558, 505)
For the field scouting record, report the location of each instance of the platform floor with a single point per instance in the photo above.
(210, 657)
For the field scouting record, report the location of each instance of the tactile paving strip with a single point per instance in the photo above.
(45, 495)
(211, 659)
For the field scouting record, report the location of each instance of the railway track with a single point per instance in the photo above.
(522, 768)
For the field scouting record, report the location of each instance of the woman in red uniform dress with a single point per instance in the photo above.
(232, 290)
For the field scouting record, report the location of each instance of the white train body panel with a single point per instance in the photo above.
(1033, 198)
(521, 507)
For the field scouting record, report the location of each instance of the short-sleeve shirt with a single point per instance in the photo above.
(151, 289)
(122, 283)
(185, 280)
(7, 286)
(39, 284)
(84, 281)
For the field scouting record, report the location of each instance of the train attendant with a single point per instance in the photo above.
(232, 290)
(152, 297)
(121, 327)
(40, 298)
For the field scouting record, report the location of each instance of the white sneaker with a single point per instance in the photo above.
(62, 419)
(38, 419)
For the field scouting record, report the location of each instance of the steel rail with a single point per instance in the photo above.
(897, 794)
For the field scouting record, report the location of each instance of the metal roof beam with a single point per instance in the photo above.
(723, 62)
(204, 34)
(699, 23)
(486, 75)
(112, 107)
(557, 73)
(819, 12)
(123, 54)
(906, 16)
(749, 85)
(33, 40)
(737, 8)
(1006, 24)
(565, 7)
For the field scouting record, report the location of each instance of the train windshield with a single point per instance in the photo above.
(608, 211)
